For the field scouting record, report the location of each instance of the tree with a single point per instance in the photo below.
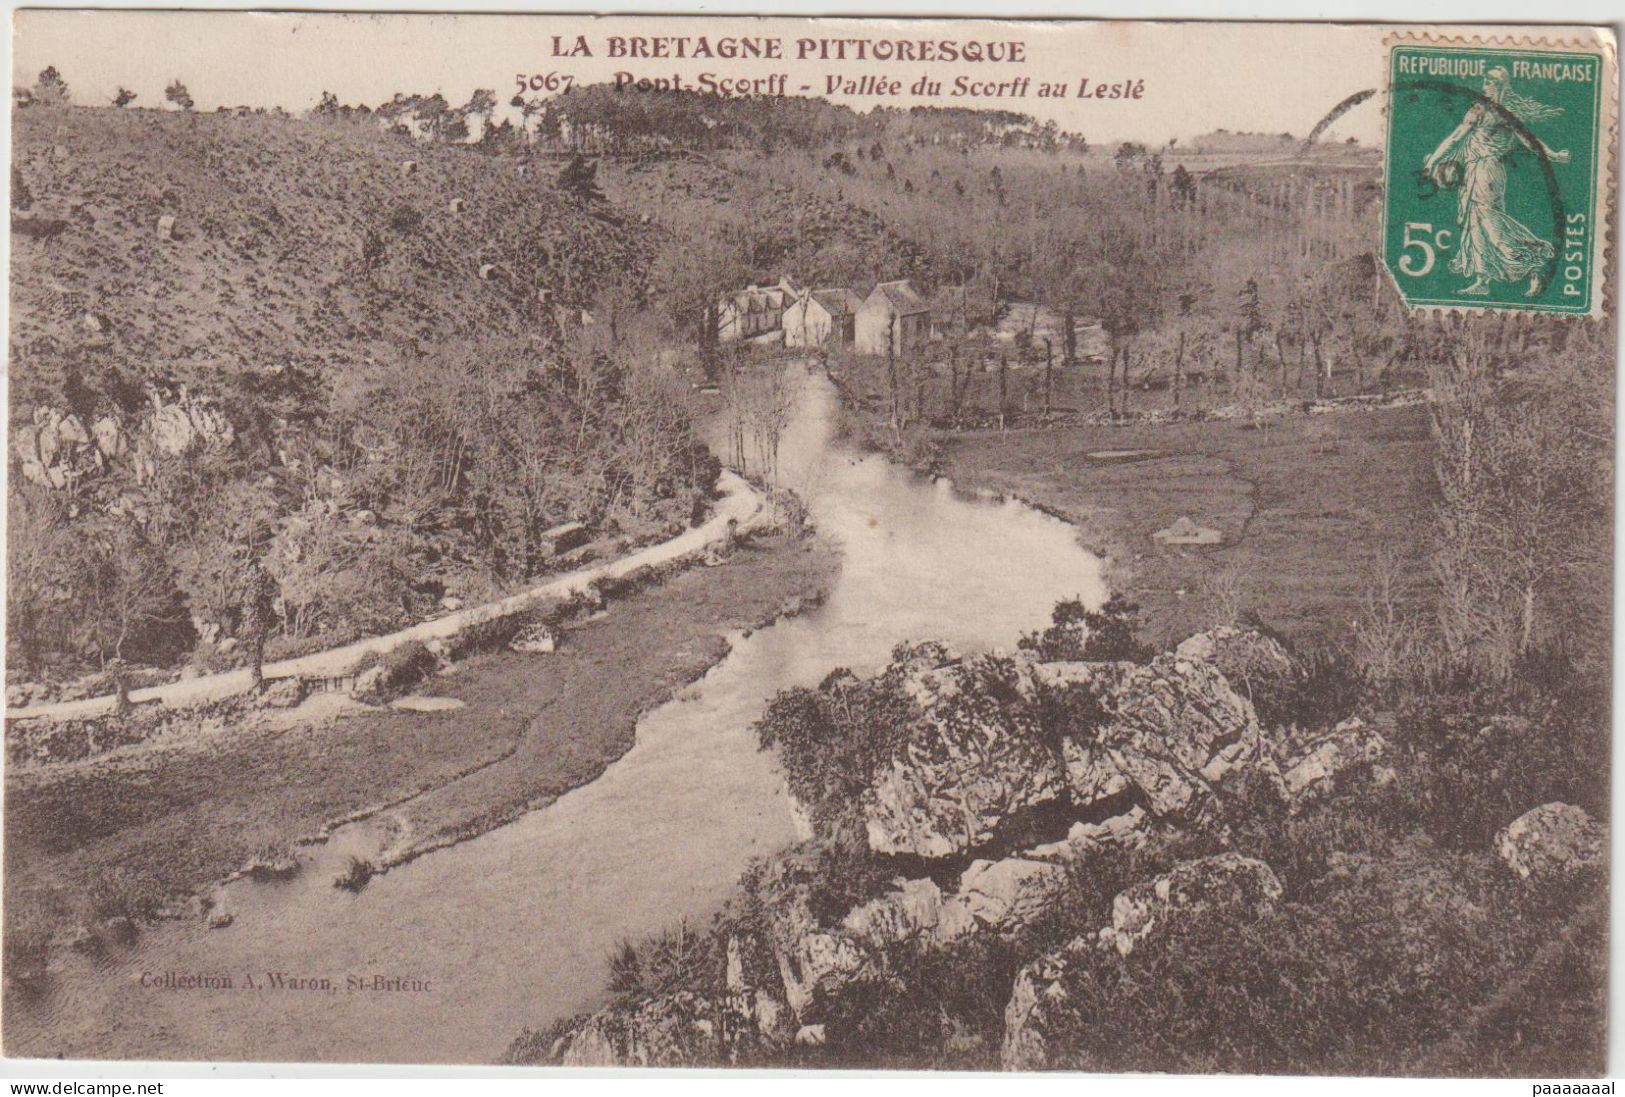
(1184, 187)
(176, 93)
(124, 97)
(130, 601)
(50, 90)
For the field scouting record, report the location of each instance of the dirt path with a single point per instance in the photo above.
(739, 504)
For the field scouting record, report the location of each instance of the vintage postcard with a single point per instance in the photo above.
(809, 543)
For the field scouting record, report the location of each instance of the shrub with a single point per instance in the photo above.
(405, 666)
(676, 958)
(122, 893)
(1078, 633)
(1472, 770)
(355, 875)
(1381, 964)
(1329, 687)
(831, 739)
(534, 1047)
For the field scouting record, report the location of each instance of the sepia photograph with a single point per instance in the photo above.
(645, 541)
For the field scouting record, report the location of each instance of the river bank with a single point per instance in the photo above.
(513, 928)
(117, 837)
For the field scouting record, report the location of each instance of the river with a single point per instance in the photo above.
(460, 949)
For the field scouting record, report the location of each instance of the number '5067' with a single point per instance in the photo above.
(545, 81)
(1428, 249)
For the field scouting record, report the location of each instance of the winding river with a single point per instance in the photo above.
(459, 950)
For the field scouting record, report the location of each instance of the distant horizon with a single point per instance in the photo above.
(287, 60)
(505, 111)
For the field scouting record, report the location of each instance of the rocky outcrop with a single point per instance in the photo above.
(1246, 657)
(1039, 1002)
(680, 1029)
(816, 965)
(814, 962)
(1244, 884)
(992, 896)
(1042, 998)
(1172, 731)
(972, 760)
(1000, 896)
(1126, 831)
(54, 449)
(57, 449)
(911, 911)
(1315, 769)
(1552, 843)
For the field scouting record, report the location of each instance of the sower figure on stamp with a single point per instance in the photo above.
(1494, 246)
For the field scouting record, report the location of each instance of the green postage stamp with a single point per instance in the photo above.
(1497, 173)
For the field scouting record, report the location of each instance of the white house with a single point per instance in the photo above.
(822, 316)
(754, 311)
(893, 313)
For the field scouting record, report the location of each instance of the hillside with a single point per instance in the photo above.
(295, 380)
(294, 243)
(814, 232)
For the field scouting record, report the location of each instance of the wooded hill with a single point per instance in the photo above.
(312, 360)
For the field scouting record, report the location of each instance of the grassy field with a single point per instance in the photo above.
(117, 835)
(1307, 505)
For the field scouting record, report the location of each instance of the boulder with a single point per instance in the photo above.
(536, 640)
(673, 1030)
(1038, 998)
(1171, 731)
(110, 437)
(1245, 657)
(368, 681)
(1000, 896)
(812, 961)
(1245, 884)
(817, 964)
(810, 1036)
(972, 759)
(1184, 531)
(1319, 763)
(1552, 843)
(909, 912)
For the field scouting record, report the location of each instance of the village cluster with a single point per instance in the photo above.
(893, 313)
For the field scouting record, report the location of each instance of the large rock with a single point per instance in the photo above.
(973, 759)
(1244, 884)
(673, 1030)
(1170, 732)
(1044, 992)
(1551, 843)
(1319, 763)
(1039, 999)
(816, 965)
(1000, 896)
(283, 693)
(909, 912)
(813, 961)
(1246, 657)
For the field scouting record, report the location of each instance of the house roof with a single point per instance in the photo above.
(904, 299)
(837, 301)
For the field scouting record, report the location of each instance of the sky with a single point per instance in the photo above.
(1267, 78)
